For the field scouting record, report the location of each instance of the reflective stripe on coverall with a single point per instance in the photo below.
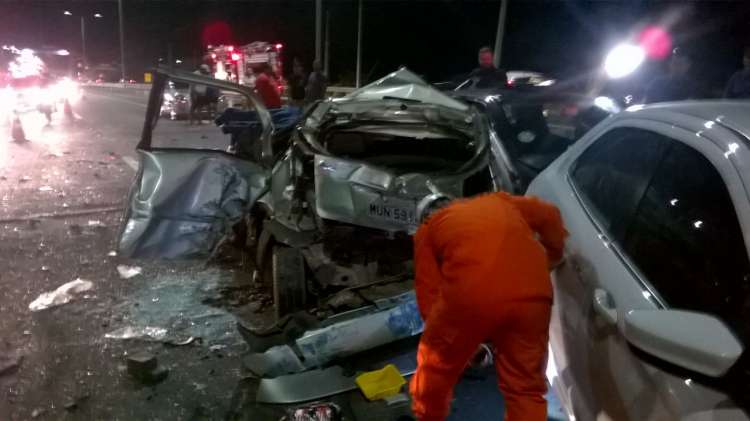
(482, 273)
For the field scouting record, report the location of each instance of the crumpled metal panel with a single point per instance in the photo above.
(318, 384)
(391, 320)
(354, 193)
(301, 387)
(405, 84)
(185, 201)
(360, 194)
(349, 337)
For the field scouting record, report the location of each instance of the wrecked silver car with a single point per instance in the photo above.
(327, 204)
(323, 204)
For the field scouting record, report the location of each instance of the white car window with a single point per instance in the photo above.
(613, 173)
(686, 239)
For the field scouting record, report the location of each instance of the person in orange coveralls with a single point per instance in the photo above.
(482, 274)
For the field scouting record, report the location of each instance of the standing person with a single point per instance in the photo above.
(487, 75)
(202, 97)
(265, 86)
(677, 85)
(739, 83)
(316, 84)
(297, 84)
(481, 274)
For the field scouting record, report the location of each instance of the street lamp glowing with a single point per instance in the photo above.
(98, 15)
(623, 60)
(67, 13)
(62, 52)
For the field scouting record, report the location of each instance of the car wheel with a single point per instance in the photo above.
(288, 280)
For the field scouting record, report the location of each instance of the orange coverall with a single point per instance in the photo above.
(482, 273)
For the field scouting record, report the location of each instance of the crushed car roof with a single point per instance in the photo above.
(403, 84)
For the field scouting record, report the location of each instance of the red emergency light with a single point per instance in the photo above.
(213, 56)
(230, 48)
(279, 46)
(235, 56)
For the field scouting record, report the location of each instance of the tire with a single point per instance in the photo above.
(288, 280)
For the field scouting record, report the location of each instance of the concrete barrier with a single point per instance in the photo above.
(136, 86)
(332, 91)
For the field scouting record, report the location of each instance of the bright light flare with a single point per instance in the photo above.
(279, 46)
(67, 89)
(67, 13)
(98, 15)
(235, 56)
(25, 65)
(62, 52)
(607, 104)
(623, 60)
(656, 42)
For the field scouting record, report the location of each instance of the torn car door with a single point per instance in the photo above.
(188, 191)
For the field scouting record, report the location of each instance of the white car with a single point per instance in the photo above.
(652, 303)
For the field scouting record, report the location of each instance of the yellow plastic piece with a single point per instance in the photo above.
(381, 384)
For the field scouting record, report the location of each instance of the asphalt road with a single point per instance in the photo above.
(61, 200)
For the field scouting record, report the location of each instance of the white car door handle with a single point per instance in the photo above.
(604, 307)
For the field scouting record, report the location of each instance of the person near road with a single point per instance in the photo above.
(297, 84)
(202, 97)
(739, 83)
(317, 84)
(482, 274)
(266, 87)
(487, 75)
(677, 85)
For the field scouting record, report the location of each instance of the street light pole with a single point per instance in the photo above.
(500, 32)
(83, 42)
(122, 39)
(359, 45)
(318, 28)
(327, 54)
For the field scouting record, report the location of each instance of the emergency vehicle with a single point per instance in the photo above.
(240, 64)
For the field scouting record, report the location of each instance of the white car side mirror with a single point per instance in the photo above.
(696, 341)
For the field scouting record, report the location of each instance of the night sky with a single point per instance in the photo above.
(438, 39)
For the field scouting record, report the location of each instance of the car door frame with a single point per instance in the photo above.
(702, 142)
(156, 97)
(129, 238)
(579, 276)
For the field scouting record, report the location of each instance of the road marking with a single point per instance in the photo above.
(131, 162)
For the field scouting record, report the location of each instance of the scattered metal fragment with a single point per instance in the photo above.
(127, 272)
(62, 295)
(134, 332)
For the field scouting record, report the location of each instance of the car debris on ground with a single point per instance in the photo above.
(62, 295)
(127, 272)
(145, 368)
(134, 332)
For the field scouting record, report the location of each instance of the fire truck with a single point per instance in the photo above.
(240, 64)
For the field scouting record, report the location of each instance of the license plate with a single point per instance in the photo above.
(397, 214)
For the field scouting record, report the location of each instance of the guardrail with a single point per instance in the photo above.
(332, 91)
(129, 86)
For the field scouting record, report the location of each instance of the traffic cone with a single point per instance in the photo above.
(68, 110)
(16, 130)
